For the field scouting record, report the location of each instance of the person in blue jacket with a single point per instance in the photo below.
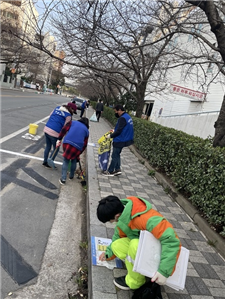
(59, 117)
(83, 107)
(76, 136)
(122, 137)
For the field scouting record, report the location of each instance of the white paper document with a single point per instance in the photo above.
(98, 246)
(148, 258)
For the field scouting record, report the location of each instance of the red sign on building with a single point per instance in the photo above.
(196, 95)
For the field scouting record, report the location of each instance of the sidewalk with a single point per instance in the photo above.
(206, 268)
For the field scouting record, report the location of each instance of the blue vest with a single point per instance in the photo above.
(57, 119)
(76, 135)
(83, 104)
(127, 133)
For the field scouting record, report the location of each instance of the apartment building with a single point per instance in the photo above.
(17, 56)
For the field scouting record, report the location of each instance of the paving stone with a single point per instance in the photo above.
(100, 295)
(105, 189)
(113, 181)
(117, 191)
(133, 178)
(197, 257)
(213, 258)
(110, 233)
(178, 296)
(188, 244)
(175, 223)
(205, 270)
(188, 225)
(182, 234)
(129, 188)
(196, 236)
(142, 194)
(201, 297)
(220, 271)
(196, 286)
(103, 184)
(211, 283)
(158, 203)
(205, 247)
(217, 293)
(169, 216)
(116, 186)
(105, 194)
(182, 217)
(135, 185)
(162, 209)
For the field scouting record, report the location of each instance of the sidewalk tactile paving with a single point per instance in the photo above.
(206, 268)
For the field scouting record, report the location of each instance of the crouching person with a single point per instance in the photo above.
(132, 215)
(76, 136)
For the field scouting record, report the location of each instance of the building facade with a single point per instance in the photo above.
(193, 93)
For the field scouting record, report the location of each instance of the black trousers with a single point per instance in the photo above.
(98, 114)
(82, 112)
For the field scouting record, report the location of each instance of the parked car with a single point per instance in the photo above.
(78, 102)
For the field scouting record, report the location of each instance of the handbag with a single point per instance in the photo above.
(93, 118)
(150, 290)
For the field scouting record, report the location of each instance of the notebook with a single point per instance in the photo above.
(148, 258)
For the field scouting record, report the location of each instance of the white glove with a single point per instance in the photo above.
(108, 136)
(58, 143)
(158, 278)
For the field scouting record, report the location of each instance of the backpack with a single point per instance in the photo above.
(150, 290)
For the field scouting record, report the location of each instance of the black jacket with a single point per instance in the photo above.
(99, 107)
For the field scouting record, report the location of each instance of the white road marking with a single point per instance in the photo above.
(6, 138)
(26, 155)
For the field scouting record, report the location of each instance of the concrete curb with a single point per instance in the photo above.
(212, 236)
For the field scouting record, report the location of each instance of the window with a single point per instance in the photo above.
(9, 15)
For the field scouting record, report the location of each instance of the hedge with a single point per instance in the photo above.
(196, 168)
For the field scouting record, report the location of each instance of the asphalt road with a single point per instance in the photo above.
(29, 191)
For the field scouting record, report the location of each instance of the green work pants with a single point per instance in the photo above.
(125, 249)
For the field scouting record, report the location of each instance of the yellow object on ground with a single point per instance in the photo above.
(33, 129)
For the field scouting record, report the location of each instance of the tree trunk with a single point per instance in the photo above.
(140, 93)
(218, 28)
(219, 125)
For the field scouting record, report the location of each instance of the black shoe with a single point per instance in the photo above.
(62, 182)
(71, 177)
(46, 165)
(120, 283)
(107, 173)
(117, 172)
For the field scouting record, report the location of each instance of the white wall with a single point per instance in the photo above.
(201, 125)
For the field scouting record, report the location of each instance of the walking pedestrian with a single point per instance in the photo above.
(83, 107)
(132, 215)
(59, 117)
(75, 142)
(99, 109)
(122, 137)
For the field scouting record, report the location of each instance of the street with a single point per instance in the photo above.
(29, 192)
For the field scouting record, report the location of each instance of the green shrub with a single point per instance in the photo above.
(194, 165)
